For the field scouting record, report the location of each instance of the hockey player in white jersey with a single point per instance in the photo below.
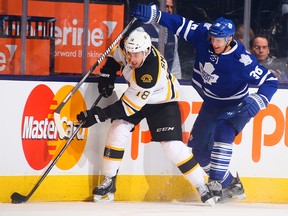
(152, 93)
(223, 71)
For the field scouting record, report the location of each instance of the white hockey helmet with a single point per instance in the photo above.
(138, 41)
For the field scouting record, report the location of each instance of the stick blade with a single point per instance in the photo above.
(17, 198)
(58, 123)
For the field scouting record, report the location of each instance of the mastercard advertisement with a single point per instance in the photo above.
(31, 140)
(105, 23)
(40, 139)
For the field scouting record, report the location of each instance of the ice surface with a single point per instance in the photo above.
(141, 209)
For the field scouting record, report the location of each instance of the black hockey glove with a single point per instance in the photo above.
(107, 77)
(251, 105)
(92, 116)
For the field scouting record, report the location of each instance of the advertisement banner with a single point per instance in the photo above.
(30, 142)
(37, 55)
(30, 134)
(104, 25)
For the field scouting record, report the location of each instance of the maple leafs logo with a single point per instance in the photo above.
(207, 73)
(245, 59)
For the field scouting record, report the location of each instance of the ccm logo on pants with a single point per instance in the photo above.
(165, 129)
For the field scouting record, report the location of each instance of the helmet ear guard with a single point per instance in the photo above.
(222, 28)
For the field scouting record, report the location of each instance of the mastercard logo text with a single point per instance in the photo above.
(40, 139)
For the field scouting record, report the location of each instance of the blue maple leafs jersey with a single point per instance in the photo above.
(221, 79)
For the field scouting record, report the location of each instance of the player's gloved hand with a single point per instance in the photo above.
(92, 116)
(252, 104)
(107, 77)
(146, 13)
(106, 84)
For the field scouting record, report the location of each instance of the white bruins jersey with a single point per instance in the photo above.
(149, 84)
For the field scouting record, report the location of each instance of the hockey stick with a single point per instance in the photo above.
(57, 118)
(18, 198)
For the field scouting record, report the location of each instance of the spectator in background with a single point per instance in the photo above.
(259, 46)
(170, 41)
(239, 33)
(284, 12)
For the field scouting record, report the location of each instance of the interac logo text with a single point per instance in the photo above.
(258, 139)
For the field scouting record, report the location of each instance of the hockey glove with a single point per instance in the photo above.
(92, 116)
(146, 13)
(252, 104)
(106, 84)
(107, 77)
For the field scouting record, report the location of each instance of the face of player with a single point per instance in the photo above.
(135, 59)
(260, 49)
(219, 45)
(169, 6)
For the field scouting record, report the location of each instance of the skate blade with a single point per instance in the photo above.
(216, 198)
(232, 199)
(106, 198)
(210, 201)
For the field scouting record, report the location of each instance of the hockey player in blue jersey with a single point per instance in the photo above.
(223, 71)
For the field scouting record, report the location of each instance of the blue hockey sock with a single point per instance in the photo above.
(220, 160)
(228, 178)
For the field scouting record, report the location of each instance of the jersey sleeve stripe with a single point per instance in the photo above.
(169, 93)
(188, 29)
(172, 93)
(238, 95)
(130, 103)
(268, 76)
(181, 27)
(130, 108)
(113, 50)
(263, 79)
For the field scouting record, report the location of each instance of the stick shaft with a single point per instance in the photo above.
(58, 109)
(57, 117)
(25, 198)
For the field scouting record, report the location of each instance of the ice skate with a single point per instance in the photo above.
(234, 192)
(216, 189)
(105, 191)
(206, 195)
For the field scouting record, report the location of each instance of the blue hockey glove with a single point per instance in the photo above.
(146, 13)
(252, 104)
(92, 116)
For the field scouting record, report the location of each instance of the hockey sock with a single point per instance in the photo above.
(222, 150)
(228, 178)
(180, 154)
(119, 134)
(220, 160)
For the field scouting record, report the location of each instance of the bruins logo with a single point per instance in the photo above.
(146, 78)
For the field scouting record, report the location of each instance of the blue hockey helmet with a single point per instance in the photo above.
(222, 28)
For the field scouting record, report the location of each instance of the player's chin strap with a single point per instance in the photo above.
(229, 43)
